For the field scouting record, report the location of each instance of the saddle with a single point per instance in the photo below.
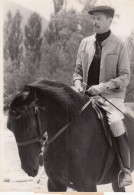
(101, 114)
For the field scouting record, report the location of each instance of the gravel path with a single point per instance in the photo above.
(14, 178)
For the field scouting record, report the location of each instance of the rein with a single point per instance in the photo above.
(37, 139)
(68, 124)
(132, 121)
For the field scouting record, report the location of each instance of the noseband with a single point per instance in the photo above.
(41, 138)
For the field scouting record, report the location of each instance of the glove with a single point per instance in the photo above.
(97, 89)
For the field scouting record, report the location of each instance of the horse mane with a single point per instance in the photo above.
(60, 93)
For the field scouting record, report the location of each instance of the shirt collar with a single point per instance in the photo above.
(101, 37)
(110, 38)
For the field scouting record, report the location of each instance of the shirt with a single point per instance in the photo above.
(94, 70)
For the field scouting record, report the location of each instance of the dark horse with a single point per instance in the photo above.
(77, 157)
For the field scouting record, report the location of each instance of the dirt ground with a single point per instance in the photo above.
(15, 179)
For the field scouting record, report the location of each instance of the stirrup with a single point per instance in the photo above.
(121, 174)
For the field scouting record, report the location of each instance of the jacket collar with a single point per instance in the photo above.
(110, 38)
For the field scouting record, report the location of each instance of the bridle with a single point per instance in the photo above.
(43, 138)
(40, 137)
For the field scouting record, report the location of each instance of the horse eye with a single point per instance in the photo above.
(15, 114)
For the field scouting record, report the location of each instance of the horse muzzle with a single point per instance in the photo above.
(31, 173)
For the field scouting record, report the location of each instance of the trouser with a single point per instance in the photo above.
(114, 116)
(115, 120)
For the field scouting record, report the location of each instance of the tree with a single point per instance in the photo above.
(65, 31)
(60, 48)
(130, 88)
(6, 33)
(13, 39)
(58, 5)
(33, 38)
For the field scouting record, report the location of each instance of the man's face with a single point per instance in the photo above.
(101, 23)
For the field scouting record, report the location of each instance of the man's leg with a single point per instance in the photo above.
(118, 130)
(121, 141)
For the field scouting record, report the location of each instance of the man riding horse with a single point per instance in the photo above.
(103, 67)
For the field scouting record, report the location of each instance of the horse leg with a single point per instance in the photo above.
(91, 189)
(56, 186)
(116, 188)
(87, 187)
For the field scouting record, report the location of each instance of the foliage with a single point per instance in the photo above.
(62, 39)
(6, 33)
(33, 39)
(130, 88)
(58, 5)
(15, 79)
(13, 39)
(23, 72)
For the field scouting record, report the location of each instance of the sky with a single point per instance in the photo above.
(121, 26)
(43, 7)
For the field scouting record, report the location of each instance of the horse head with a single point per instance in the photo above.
(24, 121)
(40, 107)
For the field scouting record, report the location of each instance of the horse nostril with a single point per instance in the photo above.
(35, 172)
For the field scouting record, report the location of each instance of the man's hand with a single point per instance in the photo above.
(97, 89)
(79, 89)
(78, 86)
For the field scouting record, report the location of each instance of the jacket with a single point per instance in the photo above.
(114, 66)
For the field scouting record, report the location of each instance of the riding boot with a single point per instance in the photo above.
(124, 178)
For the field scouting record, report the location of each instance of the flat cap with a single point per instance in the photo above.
(105, 9)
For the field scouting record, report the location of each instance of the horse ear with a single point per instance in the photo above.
(25, 94)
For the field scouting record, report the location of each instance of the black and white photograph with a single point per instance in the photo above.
(67, 96)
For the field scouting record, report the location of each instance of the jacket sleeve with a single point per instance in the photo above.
(78, 72)
(123, 70)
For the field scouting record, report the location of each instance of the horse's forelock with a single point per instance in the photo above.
(20, 102)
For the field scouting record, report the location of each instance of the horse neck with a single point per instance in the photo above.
(57, 118)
